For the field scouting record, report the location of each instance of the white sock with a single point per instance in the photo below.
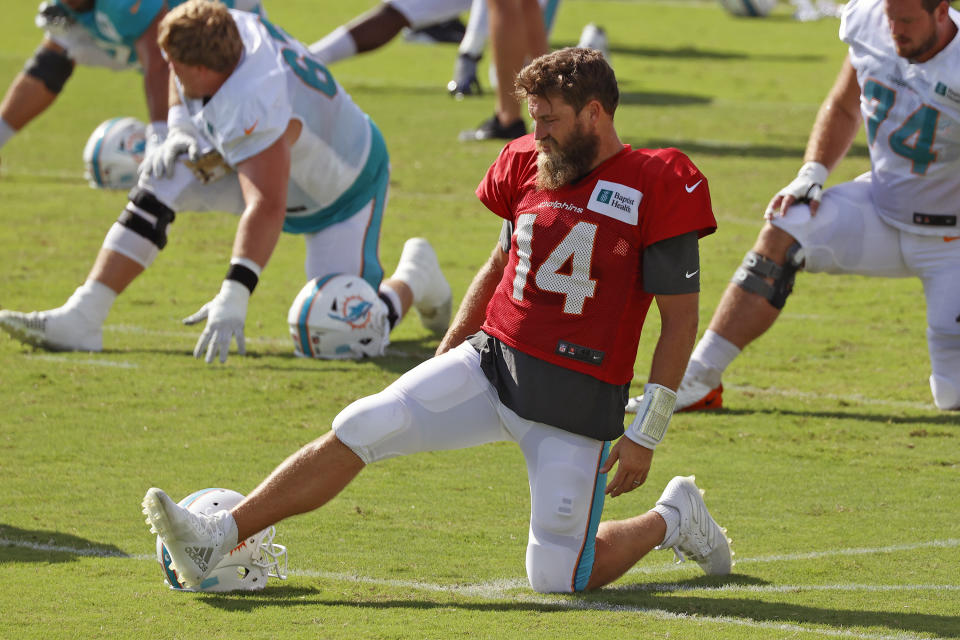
(672, 517)
(715, 352)
(93, 299)
(475, 38)
(7, 132)
(335, 46)
(408, 272)
(412, 273)
(394, 297)
(231, 534)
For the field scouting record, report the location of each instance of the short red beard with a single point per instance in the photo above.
(568, 163)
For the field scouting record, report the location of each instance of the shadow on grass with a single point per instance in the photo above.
(401, 356)
(946, 418)
(660, 99)
(36, 545)
(672, 599)
(696, 53)
(723, 149)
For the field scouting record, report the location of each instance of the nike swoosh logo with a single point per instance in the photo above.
(690, 275)
(136, 7)
(694, 186)
(247, 131)
(950, 238)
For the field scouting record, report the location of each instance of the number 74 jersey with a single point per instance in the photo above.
(912, 118)
(572, 292)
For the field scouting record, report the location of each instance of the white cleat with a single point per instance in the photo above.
(196, 542)
(55, 330)
(699, 536)
(436, 302)
(700, 390)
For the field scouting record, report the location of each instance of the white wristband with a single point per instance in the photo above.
(179, 118)
(248, 263)
(653, 416)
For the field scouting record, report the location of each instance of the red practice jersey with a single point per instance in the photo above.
(572, 292)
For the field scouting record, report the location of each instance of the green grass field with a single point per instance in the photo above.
(836, 477)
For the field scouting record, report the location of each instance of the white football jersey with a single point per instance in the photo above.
(277, 81)
(912, 116)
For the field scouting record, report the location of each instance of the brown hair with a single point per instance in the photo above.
(577, 75)
(201, 33)
(931, 5)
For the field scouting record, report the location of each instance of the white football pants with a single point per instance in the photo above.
(848, 236)
(447, 403)
(350, 246)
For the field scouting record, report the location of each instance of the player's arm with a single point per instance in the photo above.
(35, 88)
(671, 272)
(678, 333)
(156, 81)
(473, 309)
(834, 130)
(263, 181)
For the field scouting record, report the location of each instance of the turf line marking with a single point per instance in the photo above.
(500, 589)
(99, 363)
(808, 555)
(193, 335)
(813, 555)
(88, 551)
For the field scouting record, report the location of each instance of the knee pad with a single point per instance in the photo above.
(373, 427)
(50, 67)
(549, 568)
(752, 274)
(562, 498)
(557, 560)
(146, 216)
(130, 244)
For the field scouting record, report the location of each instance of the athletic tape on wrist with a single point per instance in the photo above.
(178, 117)
(244, 271)
(650, 426)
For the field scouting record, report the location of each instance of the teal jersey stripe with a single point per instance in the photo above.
(371, 182)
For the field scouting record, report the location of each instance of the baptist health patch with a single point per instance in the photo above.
(945, 91)
(616, 200)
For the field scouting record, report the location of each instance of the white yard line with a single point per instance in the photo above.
(91, 361)
(506, 589)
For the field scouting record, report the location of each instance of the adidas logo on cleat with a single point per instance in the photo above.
(200, 555)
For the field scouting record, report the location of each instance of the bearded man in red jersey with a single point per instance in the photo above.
(541, 352)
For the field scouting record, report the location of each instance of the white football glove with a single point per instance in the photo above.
(160, 161)
(156, 133)
(806, 187)
(225, 315)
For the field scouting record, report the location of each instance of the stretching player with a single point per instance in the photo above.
(902, 78)
(288, 151)
(116, 34)
(380, 25)
(541, 352)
